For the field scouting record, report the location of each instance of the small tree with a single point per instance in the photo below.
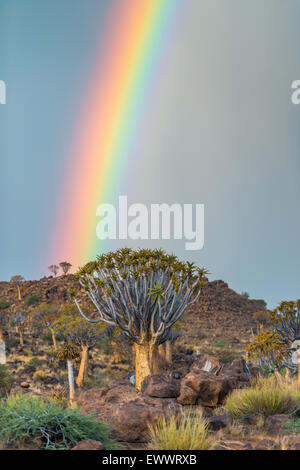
(144, 293)
(19, 322)
(68, 353)
(53, 268)
(79, 332)
(47, 314)
(273, 347)
(65, 266)
(17, 280)
(262, 317)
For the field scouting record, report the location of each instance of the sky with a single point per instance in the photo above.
(217, 127)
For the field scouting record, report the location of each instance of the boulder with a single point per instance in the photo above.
(160, 387)
(266, 444)
(89, 444)
(215, 423)
(131, 420)
(208, 364)
(273, 424)
(24, 385)
(203, 388)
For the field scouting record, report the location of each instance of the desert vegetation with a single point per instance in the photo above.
(141, 350)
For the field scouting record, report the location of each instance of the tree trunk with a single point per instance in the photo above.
(54, 339)
(146, 356)
(83, 366)
(19, 294)
(2, 349)
(21, 338)
(298, 355)
(169, 351)
(71, 380)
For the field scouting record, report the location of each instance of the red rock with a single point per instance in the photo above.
(89, 444)
(205, 389)
(160, 387)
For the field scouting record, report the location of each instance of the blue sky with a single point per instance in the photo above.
(223, 132)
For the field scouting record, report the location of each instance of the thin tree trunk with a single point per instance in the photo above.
(298, 379)
(53, 339)
(19, 294)
(2, 349)
(83, 366)
(21, 338)
(146, 362)
(169, 351)
(71, 380)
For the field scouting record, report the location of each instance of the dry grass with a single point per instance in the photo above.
(266, 396)
(185, 432)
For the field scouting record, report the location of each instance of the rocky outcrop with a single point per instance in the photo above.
(160, 387)
(203, 388)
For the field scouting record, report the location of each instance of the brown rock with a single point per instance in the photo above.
(89, 444)
(208, 364)
(218, 422)
(131, 420)
(266, 444)
(206, 389)
(160, 387)
(273, 424)
(24, 385)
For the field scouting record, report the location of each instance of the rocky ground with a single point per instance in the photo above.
(208, 363)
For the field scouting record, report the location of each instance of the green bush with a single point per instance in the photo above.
(32, 300)
(189, 432)
(265, 397)
(6, 380)
(293, 425)
(24, 416)
(4, 304)
(35, 362)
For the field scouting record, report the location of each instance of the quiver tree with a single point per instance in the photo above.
(53, 268)
(262, 317)
(69, 353)
(65, 266)
(19, 322)
(142, 292)
(79, 332)
(273, 346)
(3, 323)
(17, 280)
(46, 315)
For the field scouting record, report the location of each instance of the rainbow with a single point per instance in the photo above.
(129, 52)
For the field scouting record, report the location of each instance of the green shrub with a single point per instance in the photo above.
(265, 397)
(6, 380)
(188, 432)
(293, 425)
(227, 356)
(4, 304)
(24, 416)
(220, 344)
(32, 300)
(35, 362)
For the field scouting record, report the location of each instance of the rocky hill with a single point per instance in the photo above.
(220, 322)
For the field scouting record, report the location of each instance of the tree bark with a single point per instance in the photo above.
(146, 362)
(169, 351)
(71, 380)
(83, 366)
(21, 338)
(54, 339)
